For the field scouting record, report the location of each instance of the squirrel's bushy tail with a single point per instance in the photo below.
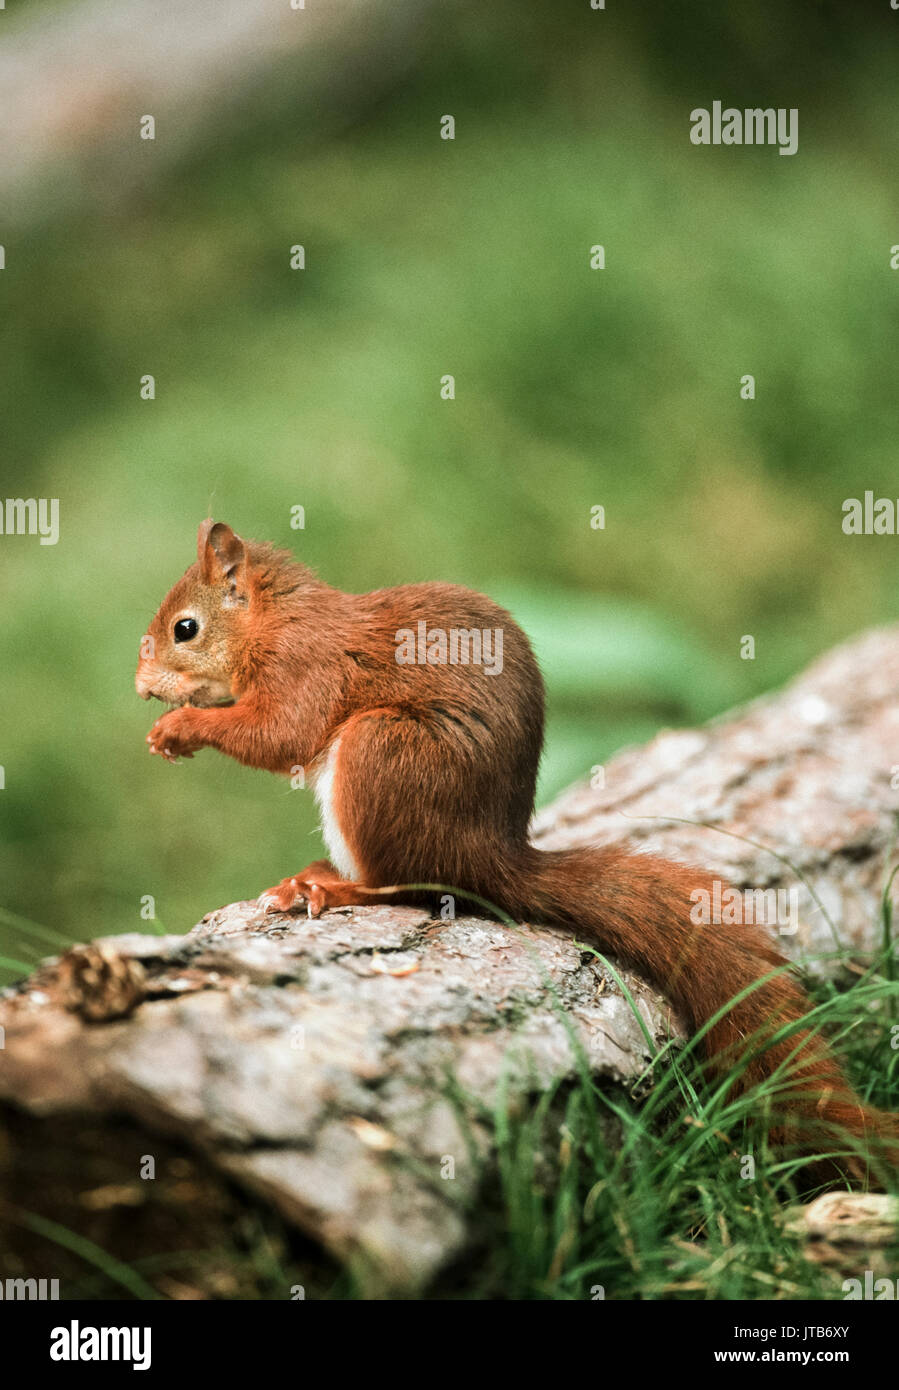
(638, 908)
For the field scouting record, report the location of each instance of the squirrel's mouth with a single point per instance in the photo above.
(199, 699)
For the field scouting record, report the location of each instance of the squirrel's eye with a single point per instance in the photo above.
(185, 629)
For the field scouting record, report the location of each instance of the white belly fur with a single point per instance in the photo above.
(323, 787)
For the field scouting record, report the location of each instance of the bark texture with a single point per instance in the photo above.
(338, 1068)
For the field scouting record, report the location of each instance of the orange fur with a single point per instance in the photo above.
(434, 782)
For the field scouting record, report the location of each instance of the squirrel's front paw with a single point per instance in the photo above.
(176, 735)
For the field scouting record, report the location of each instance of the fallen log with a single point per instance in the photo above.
(319, 1064)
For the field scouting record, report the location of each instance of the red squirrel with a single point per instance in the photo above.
(425, 769)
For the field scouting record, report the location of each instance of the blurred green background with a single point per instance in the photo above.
(321, 388)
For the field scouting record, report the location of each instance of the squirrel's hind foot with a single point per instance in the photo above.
(307, 887)
(319, 886)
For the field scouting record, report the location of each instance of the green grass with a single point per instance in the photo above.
(661, 1209)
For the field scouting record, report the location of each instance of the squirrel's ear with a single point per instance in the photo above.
(222, 557)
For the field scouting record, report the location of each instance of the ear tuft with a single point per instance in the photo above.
(202, 537)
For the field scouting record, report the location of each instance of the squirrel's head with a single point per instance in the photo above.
(189, 653)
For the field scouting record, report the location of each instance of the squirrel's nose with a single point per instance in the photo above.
(143, 686)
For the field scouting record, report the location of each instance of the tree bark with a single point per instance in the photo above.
(336, 1067)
